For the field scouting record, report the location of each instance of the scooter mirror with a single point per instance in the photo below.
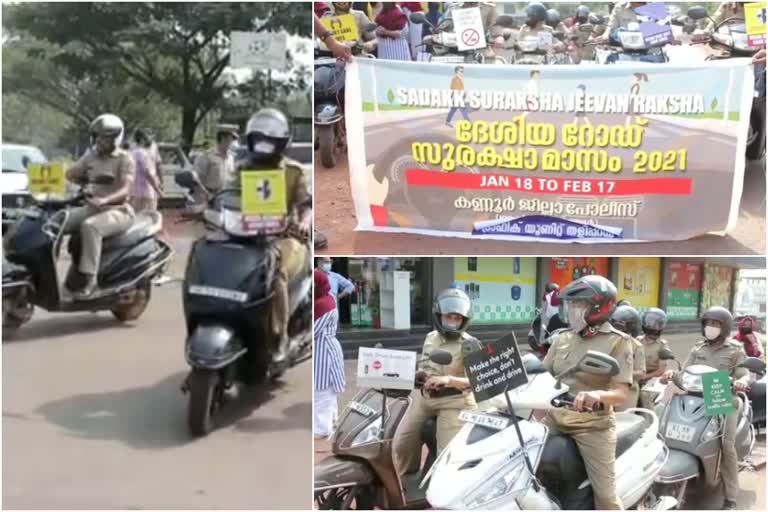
(186, 179)
(597, 363)
(697, 12)
(418, 18)
(754, 365)
(441, 357)
(505, 21)
(665, 354)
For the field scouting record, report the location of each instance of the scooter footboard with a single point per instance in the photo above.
(680, 466)
(213, 347)
(333, 472)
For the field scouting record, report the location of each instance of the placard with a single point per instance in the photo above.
(387, 369)
(468, 26)
(754, 16)
(494, 368)
(258, 50)
(344, 28)
(263, 192)
(47, 178)
(718, 398)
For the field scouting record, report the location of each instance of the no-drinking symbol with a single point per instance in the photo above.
(264, 190)
(470, 37)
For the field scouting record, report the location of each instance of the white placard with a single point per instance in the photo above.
(468, 25)
(383, 368)
(258, 50)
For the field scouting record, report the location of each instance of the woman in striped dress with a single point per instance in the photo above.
(329, 359)
(392, 33)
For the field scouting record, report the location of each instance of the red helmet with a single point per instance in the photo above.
(597, 291)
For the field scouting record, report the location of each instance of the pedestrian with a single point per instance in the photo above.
(340, 285)
(216, 166)
(146, 186)
(580, 112)
(414, 29)
(329, 380)
(457, 84)
(392, 33)
(748, 337)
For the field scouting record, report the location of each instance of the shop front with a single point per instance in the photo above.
(683, 290)
(638, 281)
(717, 289)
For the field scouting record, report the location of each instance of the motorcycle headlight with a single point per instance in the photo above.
(632, 40)
(369, 434)
(691, 382)
(497, 487)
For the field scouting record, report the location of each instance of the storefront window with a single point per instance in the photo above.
(565, 270)
(639, 281)
(717, 287)
(684, 291)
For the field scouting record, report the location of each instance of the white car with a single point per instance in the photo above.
(15, 182)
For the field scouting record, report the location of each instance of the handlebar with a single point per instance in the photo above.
(568, 400)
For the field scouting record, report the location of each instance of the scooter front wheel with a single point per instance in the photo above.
(327, 141)
(356, 497)
(16, 312)
(203, 400)
(134, 309)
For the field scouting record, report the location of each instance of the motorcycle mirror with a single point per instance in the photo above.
(418, 17)
(665, 354)
(441, 357)
(505, 21)
(754, 365)
(186, 179)
(697, 12)
(597, 363)
(586, 28)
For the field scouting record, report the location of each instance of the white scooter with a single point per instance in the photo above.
(485, 467)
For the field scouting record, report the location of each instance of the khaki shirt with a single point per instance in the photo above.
(621, 15)
(436, 341)
(722, 356)
(566, 350)
(723, 12)
(638, 356)
(116, 170)
(651, 349)
(214, 170)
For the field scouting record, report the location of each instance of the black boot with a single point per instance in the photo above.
(729, 505)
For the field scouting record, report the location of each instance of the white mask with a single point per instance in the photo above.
(711, 332)
(264, 147)
(326, 267)
(576, 319)
(451, 326)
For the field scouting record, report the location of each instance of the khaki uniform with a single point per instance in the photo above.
(408, 438)
(214, 170)
(725, 356)
(293, 251)
(621, 15)
(652, 363)
(113, 172)
(528, 32)
(725, 11)
(638, 356)
(593, 432)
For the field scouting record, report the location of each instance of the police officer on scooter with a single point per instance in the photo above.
(447, 388)
(653, 322)
(719, 351)
(627, 320)
(587, 304)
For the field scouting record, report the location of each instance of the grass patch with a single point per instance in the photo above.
(385, 107)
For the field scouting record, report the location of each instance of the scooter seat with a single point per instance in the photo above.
(629, 428)
(145, 224)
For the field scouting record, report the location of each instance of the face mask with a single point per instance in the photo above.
(576, 318)
(264, 147)
(326, 267)
(711, 332)
(451, 326)
(745, 330)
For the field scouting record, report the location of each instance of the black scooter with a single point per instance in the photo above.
(227, 298)
(129, 263)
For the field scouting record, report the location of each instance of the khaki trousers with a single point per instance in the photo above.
(729, 467)
(95, 224)
(407, 442)
(292, 261)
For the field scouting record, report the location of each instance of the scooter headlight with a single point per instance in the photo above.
(369, 434)
(691, 382)
(499, 486)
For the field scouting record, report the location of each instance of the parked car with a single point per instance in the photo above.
(174, 160)
(15, 183)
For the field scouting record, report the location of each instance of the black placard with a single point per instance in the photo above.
(495, 367)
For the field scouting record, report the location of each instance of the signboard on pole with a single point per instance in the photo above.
(498, 366)
(468, 25)
(387, 369)
(258, 50)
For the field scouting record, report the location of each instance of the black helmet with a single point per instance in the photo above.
(582, 13)
(551, 287)
(654, 321)
(268, 133)
(536, 13)
(452, 300)
(553, 17)
(626, 319)
(719, 314)
(623, 302)
(598, 291)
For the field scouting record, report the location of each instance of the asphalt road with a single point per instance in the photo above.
(93, 418)
(753, 483)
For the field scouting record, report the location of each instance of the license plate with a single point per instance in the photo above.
(680, 432)
(219, 293)
(485, 420)
(362, 409)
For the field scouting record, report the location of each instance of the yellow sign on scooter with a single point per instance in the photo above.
(263, 192)
(344, 28)
(47, 178)
(754, 16)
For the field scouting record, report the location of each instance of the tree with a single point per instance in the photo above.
(176, 50)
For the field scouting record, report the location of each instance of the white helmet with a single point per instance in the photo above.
(109, 125)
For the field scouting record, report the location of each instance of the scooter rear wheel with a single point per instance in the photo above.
(202, 385)
(327, 141)
(356, 497)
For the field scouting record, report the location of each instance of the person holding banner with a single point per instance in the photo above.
(587, 304)
(719, 351)
(446, 389)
